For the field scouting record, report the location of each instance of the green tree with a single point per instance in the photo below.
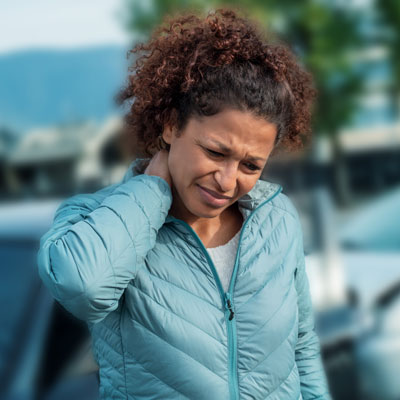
(389, 11)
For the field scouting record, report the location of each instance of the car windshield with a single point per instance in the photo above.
(375, 226)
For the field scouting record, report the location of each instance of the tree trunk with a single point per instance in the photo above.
(341, 176)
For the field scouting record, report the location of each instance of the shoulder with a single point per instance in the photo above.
(283, 219)
(283, 206)
(87, 202)
(84, 202)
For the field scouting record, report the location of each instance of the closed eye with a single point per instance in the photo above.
(252, 167)
(214, 153)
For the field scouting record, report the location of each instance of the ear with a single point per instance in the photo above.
(168, 134)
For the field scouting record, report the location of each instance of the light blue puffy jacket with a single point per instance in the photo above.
(162, 326)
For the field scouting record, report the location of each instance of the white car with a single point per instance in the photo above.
(354, 273)
(371, 243)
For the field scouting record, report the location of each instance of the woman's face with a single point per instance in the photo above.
(216, 160)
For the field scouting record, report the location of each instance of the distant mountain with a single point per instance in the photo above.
(42, 87)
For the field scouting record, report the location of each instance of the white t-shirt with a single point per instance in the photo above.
(223, 258)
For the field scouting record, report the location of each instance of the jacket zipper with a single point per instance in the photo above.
(232, 341)
(227, 300)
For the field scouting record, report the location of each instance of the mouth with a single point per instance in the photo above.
(215, 194)
(212, 198)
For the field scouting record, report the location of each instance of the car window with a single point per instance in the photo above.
(390, 318)
(19, 283)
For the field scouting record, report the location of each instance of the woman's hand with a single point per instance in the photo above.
(158, 166)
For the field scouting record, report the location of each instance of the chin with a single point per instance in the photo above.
(208, 212)
(211, 215)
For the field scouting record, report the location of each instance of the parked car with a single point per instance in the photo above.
(378, 349)
(39, 340)
(371, 245)
(353, 264)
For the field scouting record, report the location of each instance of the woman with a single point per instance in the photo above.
(190, 272)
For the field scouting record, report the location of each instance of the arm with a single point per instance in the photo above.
(97, 242)
(312, 376)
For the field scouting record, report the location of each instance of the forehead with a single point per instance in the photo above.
(235, 130)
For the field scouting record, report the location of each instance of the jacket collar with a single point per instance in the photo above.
(261, 192)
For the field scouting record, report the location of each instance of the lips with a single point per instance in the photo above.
(215, 194)
(213, 199)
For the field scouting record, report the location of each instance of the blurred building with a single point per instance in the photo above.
(63, 160)
(8, 140)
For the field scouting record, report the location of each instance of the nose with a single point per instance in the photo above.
(226, 178)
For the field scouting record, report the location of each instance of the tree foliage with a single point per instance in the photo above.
(389, 11)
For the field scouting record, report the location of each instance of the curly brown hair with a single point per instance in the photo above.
(199, 66)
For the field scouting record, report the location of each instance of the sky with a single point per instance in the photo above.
(27, 24)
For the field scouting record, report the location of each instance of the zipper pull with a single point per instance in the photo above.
(229, 305)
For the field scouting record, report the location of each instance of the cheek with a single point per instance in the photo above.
(183, 166)
(191, 165)
(175, 167)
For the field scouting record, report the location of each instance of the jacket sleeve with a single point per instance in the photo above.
(98, 242)
(312, 375)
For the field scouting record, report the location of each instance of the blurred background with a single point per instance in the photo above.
(61, 64)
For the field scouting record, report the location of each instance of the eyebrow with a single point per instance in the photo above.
(227, 150)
